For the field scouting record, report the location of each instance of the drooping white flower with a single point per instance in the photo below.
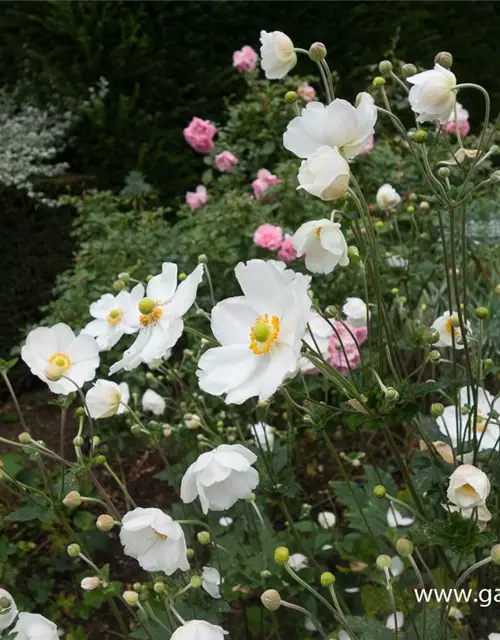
(109, 311)
(337, 125)
(324, 174)
(210, 581)
(396, 519)
(432, 96)
(9, 613)
(395, 621)
(298, 561)
(494, 636)
(327, 519)
(323, 244)
(468, 487)
(397, 566)
(320, 339)
(158, 316)
(154, 540)
(106, 399)
(152, 401)
(356, 312)
(51, 352)
(277, 54)
(220, 477)
(260, 333)
(263, 435)
(445, 324)
(481, 514)
(460, 428)
(198, 630)
(225, 521)
(387, 197)
(32, 626)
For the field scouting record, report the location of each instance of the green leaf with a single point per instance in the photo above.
(367, 629)
(31, 512)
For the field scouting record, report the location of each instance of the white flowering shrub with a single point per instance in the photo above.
(321, 408)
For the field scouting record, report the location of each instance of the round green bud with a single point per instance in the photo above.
(317, 52)
(420, 136)
(331, 311)
(378, 81)
(281, 555)
(434, 356)
(395, 291)
(137, 586)
(410, 209)
(353, 253)
(391, 394)
(124, 276)
(250, 497)
(131, 598)
(495, 553)
(204, 537)
(195, 582)
(265, 574)
(146, 305)
(144, 588)
(481, 313)
(385, 67)
(24, 438)
(437, 410)
(78, 441)
(135, 430)
(271, 599)
(408, 70)
(118, 285)
(182, 276)
(291, 97)
(149, 277)
(73, 550)
(445, 59)
(379, 491)
(443, 172)
(430, 335)
(105, 523)
(455, 321)
(404, 547)
(159, 587)
(379, 224)
(96, 441)
(202, 259)
(383, 561)
(327, 579)
(189, 553)
(72, 500)
(150, 376)
(487, 362)
(79, 412)
(100, 460)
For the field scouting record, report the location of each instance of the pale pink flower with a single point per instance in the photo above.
(199, 135)
(306, 92)
(368, 146)
(462, 119)
(245, 59)
(268, 236)
(226, 161)
(264, 180)
(197, 199)
(287, 251)
(342, 341)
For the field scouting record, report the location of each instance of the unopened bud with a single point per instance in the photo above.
(96, 441)
(437, 410)
(124, 276)
(271, 599)
(420, 136)
(379, 225)
(202, 259)
(331, 311)
(189, 553)
(291, 97)
(495, 177)
(118, 285)
(100, 460)
(353, 253)
(445, 59)
(430, 335)
(74, 550)
(263, 404)
(265, 574)
(424, 206)
(408, 70)
(434, 356)
(317, 52)
(495, 554)
(24, 437)
(379, 491)
(385, 67)
(137, 586)
(443, 172)
(391, 394)
(481, 313)
(383, 562)
(182, 276)
(159, 587)
(89, 584)
(5, 603)
(72, 500)
(378, 81)
(410, 209)
(281, 555)
(105, 523)
(327, 579)
(204, 537)
(404, 547)
(250, 497)
(79, 412)
(195, 582)
(131, 598)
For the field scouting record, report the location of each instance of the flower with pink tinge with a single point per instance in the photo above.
(199, 135)
(342, 341)
(268, 236)
(245, 59)
(287, 251)
(264, 180)
(226, 161)
(462, 119)
(197, 199)
(368, 146)
(306, 92)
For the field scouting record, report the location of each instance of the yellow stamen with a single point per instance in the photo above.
(152, 317)
(162, 536)
(61, 360)
(264, 334)
(114, 316)
(318, 231)
(468, 488)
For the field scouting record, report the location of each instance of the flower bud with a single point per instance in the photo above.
(24, 438)
(317, 52)
(281, 555)
(265, 574)
(487, 362)
(105, 523)
(96, 441)
(72, 500)
(124, 276)
(378, 81)
(385, 67)
(331, 311)
(118, 285)
(437, 410)
(481, 313)
(195, 582)
(250, 497)
(420, 136)
(408, 70)
(89, 584)
(410, 209)
(271, 599)
(291, 97)
(430, 335)
(379, 224)
(74, 550)
(131, 598)
(383, 562)
(353, 253)
(434, 356)
(443, 172)
(495, 177)
(404, 547)
(137, 587)
(424, 206)
(149, 277)
(202, 259)
(182, 276)
(204, 537)
(159, 587)
(327, 579)
(101, 460)
(79, 412)
(379, 491)
(391, 394)
(445, 59)
(136, 430)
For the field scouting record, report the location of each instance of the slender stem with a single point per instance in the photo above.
(120, 484)
(14, 399)
(393, 601)
(314, 620)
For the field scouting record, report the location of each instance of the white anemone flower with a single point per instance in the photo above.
(327, 519)
(198, 630)
(152, 401)
(395, 621)
(106, 399)
(154, 540)
(263, 435)
(210, 581)
(468, 487)
(158, 316)
(432, 96)
(356, 312)
(298, 561)
(325, 174)
(337, 125)
(8, 613)
(32, 626)
(51, 352)
(109, 311)
(396, 519)
(387, 197)
(459, 428)
(323, 244)
(220, 477)
(260, 333)
(445, 324)
(277, 54)
(321, 333)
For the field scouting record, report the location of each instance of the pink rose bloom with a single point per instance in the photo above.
(336, 356)
(306, 92)
(197, 199)
(226, 161)
(368, 146)
(264, 180)
(462, 119)
(199, 135)
(287, 252)
(268, 236)
(245, 59)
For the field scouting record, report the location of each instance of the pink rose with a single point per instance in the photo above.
(226, 161)
(368, 146)
(336, 348)
(306, 92)
(245, 59)
(199, 135)
(462, 119)
(268, 236)
(264, 180)
(197, 199)
(287, 252)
